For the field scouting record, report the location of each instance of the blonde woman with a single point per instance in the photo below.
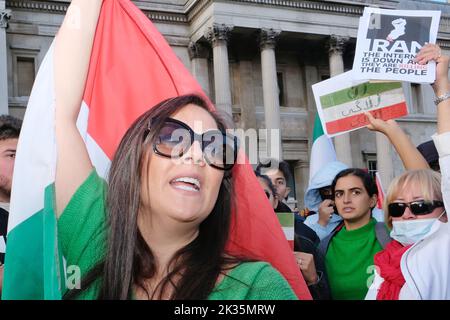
(416, 265)
(414, 211)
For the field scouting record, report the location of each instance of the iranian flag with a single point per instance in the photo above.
(287, 221)
(343, 110)
(322, 149)
(131, 69)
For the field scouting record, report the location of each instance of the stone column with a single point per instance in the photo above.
(384, 160)
(218, 36)
(199, 55)
(268, 39)
(246, 95)
(301, 173)
(5, 15)
(341, 142)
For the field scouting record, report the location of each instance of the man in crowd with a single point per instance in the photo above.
(9, 136)
(279, 173)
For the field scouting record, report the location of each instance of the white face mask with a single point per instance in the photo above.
(410, 231)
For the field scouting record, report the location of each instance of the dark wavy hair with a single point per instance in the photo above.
(283, 166)
(129, 261)
(268, 182)
(9, 127)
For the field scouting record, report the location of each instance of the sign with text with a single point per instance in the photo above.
(342, 101)
(388, 42)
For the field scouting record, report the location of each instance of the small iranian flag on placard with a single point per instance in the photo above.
(287, 222)
(341, 102)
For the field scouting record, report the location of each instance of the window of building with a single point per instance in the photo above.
(372, 167)
(25, 75)
(281, 93)
(371, 163)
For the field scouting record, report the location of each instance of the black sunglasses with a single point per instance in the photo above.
(175, 138)
(418, 208)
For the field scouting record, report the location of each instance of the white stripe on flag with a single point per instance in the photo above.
(289, 232)
(2, 245)
(36, 151)
(322, 152)
(386, 99)
(98, 157)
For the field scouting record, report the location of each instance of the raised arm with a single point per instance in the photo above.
(441, 85)
(72, 53)
(411, 157)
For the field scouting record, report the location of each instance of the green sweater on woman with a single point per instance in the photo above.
(82, 234)
(349, 262)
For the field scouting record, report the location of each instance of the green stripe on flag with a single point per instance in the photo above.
(318, 130)
(362, 90)
(286, 219)
(322, 149)
(33, 259)
(53, 268)
(24, 260)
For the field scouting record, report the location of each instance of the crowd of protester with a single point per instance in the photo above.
(141, 243)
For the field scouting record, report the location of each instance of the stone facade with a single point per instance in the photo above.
(239, 50)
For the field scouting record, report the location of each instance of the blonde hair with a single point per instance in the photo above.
(428, 180)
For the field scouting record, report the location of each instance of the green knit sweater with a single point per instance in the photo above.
(82, 235)
(348, 258)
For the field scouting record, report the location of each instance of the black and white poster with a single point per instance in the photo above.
(389, 40)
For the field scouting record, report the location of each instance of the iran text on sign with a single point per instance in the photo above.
(388, 42)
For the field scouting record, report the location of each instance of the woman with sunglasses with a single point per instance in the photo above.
(413, 204)
(416, 264)
(159, 229)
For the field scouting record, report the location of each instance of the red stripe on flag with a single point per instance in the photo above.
(132, 68)
(130, 53)
(360, 120)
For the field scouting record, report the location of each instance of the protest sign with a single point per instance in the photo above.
(388, 41)
(342, 101)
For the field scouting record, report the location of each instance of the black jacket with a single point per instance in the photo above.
(3, 230)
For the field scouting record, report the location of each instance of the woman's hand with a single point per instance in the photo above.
(411, 157)
(432, 52)
(305, 261)
(386, 127)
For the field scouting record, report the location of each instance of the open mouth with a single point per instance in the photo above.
(186, 184)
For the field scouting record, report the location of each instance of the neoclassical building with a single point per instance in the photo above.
(256, 59)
